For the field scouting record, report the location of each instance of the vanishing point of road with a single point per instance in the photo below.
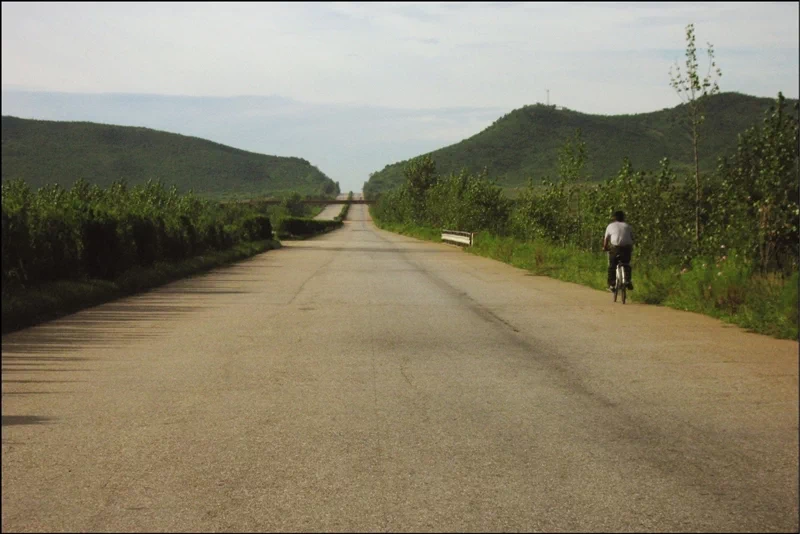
(366, 381)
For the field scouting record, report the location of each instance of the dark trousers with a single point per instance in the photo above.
(615, 255)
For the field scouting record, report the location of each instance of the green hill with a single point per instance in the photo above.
(525, 143)
(43, 152)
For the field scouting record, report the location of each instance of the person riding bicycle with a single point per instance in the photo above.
(618, 241)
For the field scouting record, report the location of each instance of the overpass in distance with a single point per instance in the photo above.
(311, 202)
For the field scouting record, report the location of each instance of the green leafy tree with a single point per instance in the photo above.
(757, 209)
(420, 176)
(293, 204)
(693, 92)
(571, 164)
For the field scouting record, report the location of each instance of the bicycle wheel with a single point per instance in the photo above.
(622, 282)
(618, 285)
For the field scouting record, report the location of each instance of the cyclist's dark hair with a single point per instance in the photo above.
(619, 215)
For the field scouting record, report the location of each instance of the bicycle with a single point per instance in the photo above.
(622, 281)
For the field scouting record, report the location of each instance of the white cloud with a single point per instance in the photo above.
(594, 57)
(399, 54)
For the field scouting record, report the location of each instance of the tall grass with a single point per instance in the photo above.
(421, 232)
(63, 250)
(731, 289)
(740, 264)
(86, 232)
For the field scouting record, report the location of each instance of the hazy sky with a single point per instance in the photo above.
(607, 58)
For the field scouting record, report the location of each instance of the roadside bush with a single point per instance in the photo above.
(100, 246)
(257, 227)
(15, 247)
(345, 209)
(55, 234)
(304, 227)
(750, 205)
(54, 246)
(744, 264)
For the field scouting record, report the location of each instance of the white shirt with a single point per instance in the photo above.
(620, 234)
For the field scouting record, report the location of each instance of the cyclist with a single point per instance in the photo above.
(618, 241)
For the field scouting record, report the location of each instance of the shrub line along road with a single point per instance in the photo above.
(368, 381)
(332, 210)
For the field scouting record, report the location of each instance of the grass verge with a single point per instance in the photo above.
(727, 290)
(34, 305)
(420, 232)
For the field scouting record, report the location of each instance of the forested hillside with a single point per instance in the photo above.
(524, 143)
(47, 152)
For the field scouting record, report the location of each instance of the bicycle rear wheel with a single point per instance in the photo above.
(623, 285)
(619, 286)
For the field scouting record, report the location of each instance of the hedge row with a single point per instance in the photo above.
(86, 232)
(289, 227)
(345, 209)
(749, 208)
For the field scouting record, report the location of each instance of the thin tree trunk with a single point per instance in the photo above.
(696, 189)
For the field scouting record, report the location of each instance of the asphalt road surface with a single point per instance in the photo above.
(365, 381)
(332, 210)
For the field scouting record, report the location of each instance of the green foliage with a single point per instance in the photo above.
(420, 175)
(694, 94)
(345, 209)
(412, 230)
(750, 207)
(524, 143)
(26, 307)
(456, 202)
(690, 88)
(743, 271)
(293, 205)
(756, 207)
(299, 227)
(88, 233)
(462, 201)
(45, 152)
(257, 227)
(728, 290)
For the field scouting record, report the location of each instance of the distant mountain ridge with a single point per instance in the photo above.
(44, 152)
(524, 143)
(346, 141)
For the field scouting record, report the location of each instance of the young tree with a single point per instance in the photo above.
(758, 210)
(693, 92)
(571, 163)
(420, 176)
(293, 204)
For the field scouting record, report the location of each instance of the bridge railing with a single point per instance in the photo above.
(273, 202)
(459, 238)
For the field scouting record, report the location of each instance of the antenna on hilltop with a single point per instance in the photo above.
(548, 97)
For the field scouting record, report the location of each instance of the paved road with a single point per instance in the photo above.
(364, 381)
(332, 210)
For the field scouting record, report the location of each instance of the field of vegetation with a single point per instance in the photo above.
(52, 152)
(65, 249)
(726, 245)
(525, 142)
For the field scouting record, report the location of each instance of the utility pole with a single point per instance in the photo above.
(548, 97)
